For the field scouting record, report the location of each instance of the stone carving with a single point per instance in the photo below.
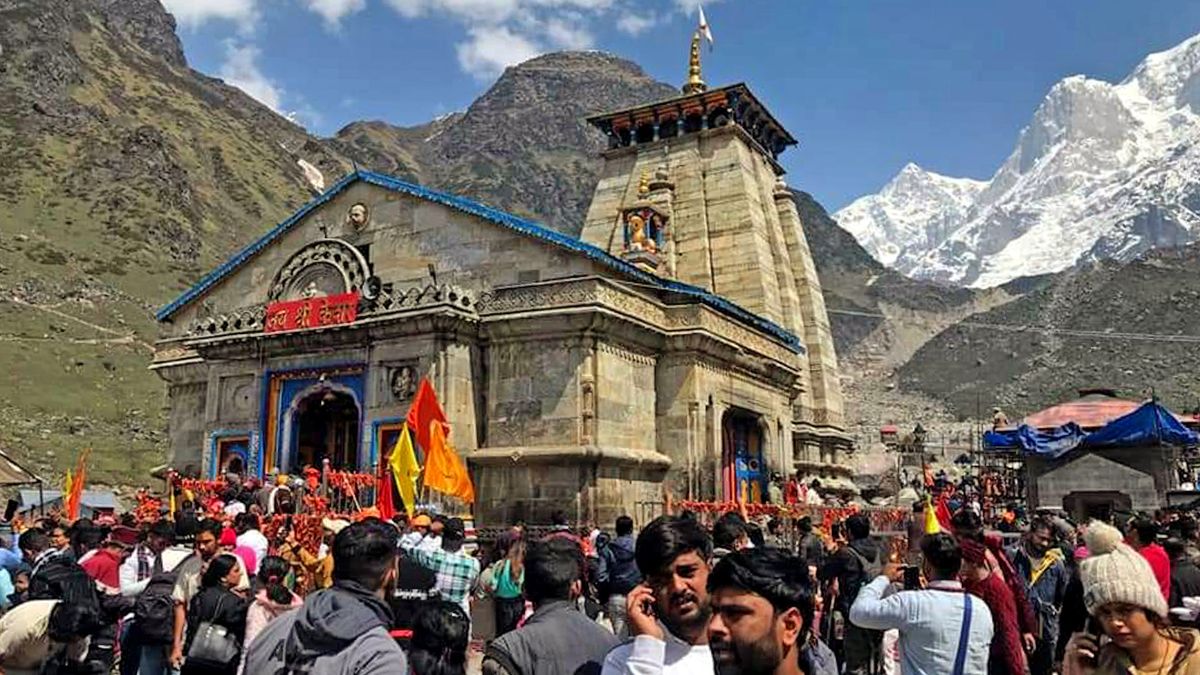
(358, 216)
(244, 319)
(324, 267)
(671, 318)
(402, 381)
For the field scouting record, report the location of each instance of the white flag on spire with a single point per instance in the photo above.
(704, 29)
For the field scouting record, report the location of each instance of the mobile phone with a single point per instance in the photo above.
(912, 578)
(10, 510)
(648, 607)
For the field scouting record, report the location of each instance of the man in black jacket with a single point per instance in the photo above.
(853, 566)
(1185, 576)
(557, 638)
(617, 574)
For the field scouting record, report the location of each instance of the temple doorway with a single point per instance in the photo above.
(1096, 505)
(743, 472)
(325, 426)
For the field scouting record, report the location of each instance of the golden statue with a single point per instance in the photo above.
(638, 241)
(644, 184)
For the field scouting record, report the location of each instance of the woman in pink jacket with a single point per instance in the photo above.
(272, 599)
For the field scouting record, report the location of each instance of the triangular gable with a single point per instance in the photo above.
(508, 220)
(1092, 464)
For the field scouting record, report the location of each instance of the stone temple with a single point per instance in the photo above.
(681, 340)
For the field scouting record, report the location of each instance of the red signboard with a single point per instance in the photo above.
(326, 310)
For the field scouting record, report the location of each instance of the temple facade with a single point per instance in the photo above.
(681, 344)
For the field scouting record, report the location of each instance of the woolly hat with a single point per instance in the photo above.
(1114, 572)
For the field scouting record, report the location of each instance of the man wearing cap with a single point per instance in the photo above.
(104, 566)
(456, 571)
(417, 530)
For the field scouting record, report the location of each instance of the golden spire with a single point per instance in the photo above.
(644, 185)
(695, 84)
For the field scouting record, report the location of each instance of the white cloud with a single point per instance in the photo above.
(566, 34)
(635, 24)
(489, 50)
(192, 13)
(241, 70)
(332, 11)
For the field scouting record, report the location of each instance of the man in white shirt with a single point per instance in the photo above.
(247, 525)
(668, 612)
(943, 630)
(36, 630)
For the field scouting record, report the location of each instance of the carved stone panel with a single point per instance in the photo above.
(237, 397)
(400, 381)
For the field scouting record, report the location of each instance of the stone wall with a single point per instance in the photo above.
(1140, 473)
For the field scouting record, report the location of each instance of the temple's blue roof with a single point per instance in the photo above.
(508, 220)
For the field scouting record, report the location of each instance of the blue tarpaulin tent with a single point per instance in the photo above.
(1150, 424)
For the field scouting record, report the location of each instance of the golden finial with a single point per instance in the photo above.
(644, 184)
(695, 84)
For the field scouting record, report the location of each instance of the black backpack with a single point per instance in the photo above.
(154, 609)
(61, 578)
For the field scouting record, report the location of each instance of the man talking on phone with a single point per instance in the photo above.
(668, 612)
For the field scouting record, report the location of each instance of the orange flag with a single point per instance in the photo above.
(74, 498)
(444, 469)
(425, 409)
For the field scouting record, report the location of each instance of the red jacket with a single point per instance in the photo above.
(104, 567)
(1006, 653)
(791, 491)
(1160, 564)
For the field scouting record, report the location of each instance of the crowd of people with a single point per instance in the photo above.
(211, 593)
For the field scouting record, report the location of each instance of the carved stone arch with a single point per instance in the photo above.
(326, 266)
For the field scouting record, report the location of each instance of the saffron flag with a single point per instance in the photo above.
(943, 512)
(68, 488)
(425, 409)
(405, 469)
(932, 525)
(704, 29)
(74, 497)
(444, 469)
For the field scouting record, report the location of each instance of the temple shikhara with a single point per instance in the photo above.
(682, 338)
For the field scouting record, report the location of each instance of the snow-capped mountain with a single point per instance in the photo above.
(912, 214)
(1101, 171)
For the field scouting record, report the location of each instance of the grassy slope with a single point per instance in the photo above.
(147, 179)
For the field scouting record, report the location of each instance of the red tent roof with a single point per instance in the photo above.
(1092, 410)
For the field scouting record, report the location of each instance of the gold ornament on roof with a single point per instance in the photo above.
(644, 184)
(695, 84)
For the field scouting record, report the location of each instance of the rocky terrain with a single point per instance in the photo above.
(1126, 326)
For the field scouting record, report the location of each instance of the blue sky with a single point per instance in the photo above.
(866, 85)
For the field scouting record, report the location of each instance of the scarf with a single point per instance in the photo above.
(1052, 555)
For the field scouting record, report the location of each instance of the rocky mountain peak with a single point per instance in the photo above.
(147, 24)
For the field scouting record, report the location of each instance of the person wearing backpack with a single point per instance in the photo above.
(618, 575)
(148, 577)
(852, 566)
